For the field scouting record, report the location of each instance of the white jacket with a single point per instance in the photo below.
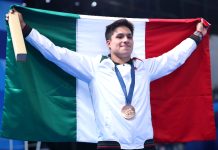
(107, 95)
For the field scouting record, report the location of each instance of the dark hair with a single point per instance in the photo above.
(121, 22)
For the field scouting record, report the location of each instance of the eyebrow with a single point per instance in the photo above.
(123, 33)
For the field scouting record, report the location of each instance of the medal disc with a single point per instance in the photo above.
(128, 112)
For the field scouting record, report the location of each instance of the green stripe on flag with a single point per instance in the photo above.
(46, 109)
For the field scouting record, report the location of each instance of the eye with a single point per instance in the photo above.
(120, 36)
(129, 36)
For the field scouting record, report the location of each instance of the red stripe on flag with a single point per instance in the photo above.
(181, 102)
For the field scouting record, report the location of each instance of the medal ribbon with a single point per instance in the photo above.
(123, 86)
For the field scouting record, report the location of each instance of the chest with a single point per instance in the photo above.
(105, 74)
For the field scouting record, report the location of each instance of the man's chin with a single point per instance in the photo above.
(127, 54)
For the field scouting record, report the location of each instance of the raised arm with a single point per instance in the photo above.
(71, 62)
(170, 61)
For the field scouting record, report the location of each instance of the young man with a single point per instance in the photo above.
(119, 85)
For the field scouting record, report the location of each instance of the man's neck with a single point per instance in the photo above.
(120, 60)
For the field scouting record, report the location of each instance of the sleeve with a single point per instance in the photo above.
(170, 61)
(26, 30)
(77, 65)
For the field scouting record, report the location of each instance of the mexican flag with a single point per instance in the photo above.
(43, 103)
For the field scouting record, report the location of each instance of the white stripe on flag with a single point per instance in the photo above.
(91, 41)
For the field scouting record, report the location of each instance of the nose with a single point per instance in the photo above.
(125, 39)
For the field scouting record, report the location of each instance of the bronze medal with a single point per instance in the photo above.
(128, 112)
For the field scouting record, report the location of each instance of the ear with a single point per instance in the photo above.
(108, 42)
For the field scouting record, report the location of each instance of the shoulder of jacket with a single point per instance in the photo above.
(103, 57)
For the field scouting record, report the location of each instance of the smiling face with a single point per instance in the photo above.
(121, 44)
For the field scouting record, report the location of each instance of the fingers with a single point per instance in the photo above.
(14, 11)
(205, 23)
(200, 28)
(11, 11)
(6, 17)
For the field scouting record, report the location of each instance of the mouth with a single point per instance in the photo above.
(125, 46)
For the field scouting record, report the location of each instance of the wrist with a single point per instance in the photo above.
(23, 25)
(26, 30)
(198, 34)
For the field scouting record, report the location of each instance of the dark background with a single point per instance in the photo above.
(136, 8)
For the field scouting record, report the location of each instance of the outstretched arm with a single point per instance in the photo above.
(170, 61)
(71, 62)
